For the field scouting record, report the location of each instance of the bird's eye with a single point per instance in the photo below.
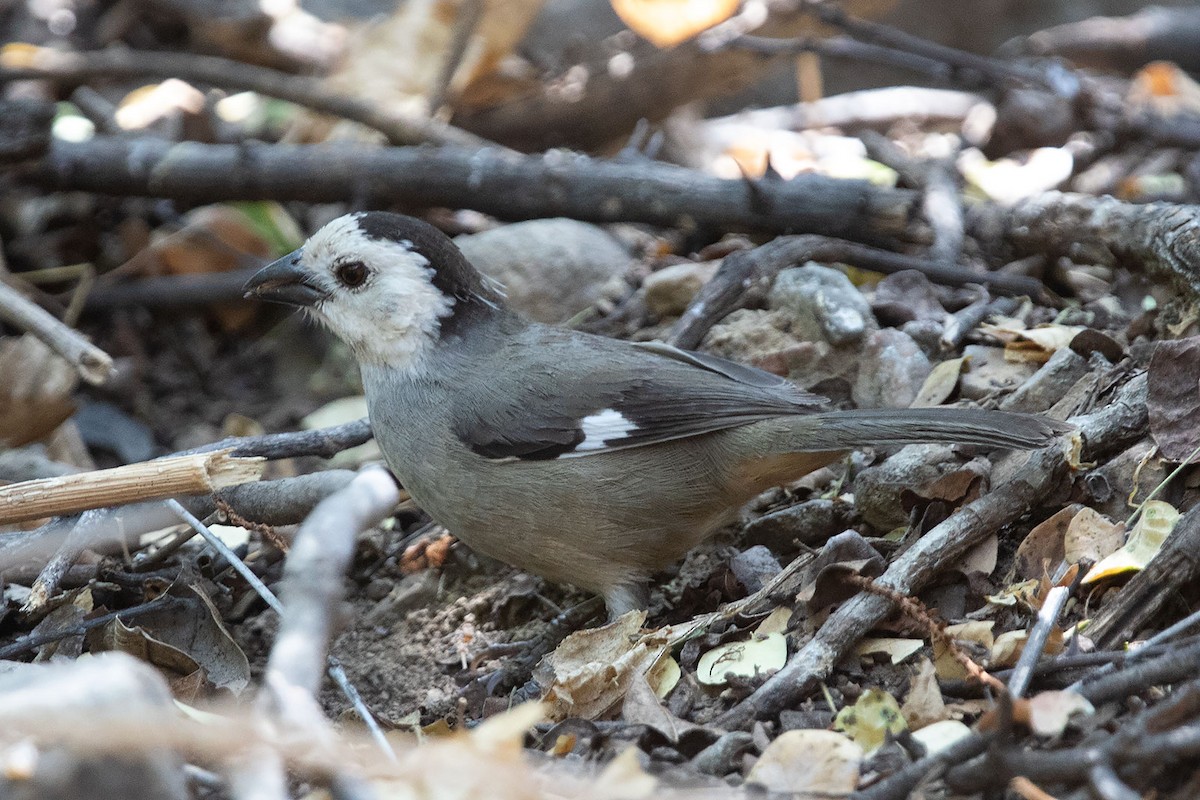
(351, 274)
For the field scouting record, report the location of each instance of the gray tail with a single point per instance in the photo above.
(888, 426)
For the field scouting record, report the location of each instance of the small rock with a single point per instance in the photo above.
(551, 268)
(670, 290)
(928, 334)
(892, 368)
(823, 305)
(990, 374)
(809, 523)
(762, 338)
(753, 567)
(1049, 384)
(379, 588)
(906, 296)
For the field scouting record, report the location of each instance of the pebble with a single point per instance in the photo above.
(892, 368)
(754, 566)
(551, 268)
(877, 489)
(823, 305)
(718, 758)
(990, 374)
(669, 291)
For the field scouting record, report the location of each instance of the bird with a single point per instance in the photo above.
(584, 459)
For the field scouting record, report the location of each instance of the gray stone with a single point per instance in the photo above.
(906, 296)
(719, 757)
(823, 305)
(753, 567)
(891, 369)
(670, 290)
(551, 268)
(762, 338)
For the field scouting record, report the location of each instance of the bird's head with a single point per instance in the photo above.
(388, 285)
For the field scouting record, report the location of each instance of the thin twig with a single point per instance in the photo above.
(1047, 618)
(27, 643)
(203, 473)
(92, 363)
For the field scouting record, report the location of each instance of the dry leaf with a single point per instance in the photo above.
(591, 671)
(776, 622)
(35, 396)
(940, 383)
(184, 635)
(624, 778)
(1024, 592)
(896, 649)
(1043, 549)
(744, 659)
(869, 721)
(505, 732)
(810, 762)
(643, 707)
(397, 63)
(1173, 397)
(146, 105)
(1091, 536)
(978, 632)
(666, 23)
(924, 704)
(1145, 540)
(1049, 712)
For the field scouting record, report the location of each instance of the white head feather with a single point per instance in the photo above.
(394, 317)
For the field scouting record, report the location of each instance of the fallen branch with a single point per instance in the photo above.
(148, 480)
(504, 184)
(73, 68)
(286, 501)
(929, 556)
(322, 442)
(313, 580)
(1159, 239)
(1124, 43)
(92, 363)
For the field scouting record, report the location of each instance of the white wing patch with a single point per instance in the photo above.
(603, 428)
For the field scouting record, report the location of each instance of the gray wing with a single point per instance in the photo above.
(637, 395)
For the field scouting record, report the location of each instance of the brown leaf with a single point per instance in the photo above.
(35, 395)
(642, 707)
(924, 704)
(1044, 548)
(1173, 397)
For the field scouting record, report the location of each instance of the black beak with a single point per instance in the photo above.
(285, 281)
